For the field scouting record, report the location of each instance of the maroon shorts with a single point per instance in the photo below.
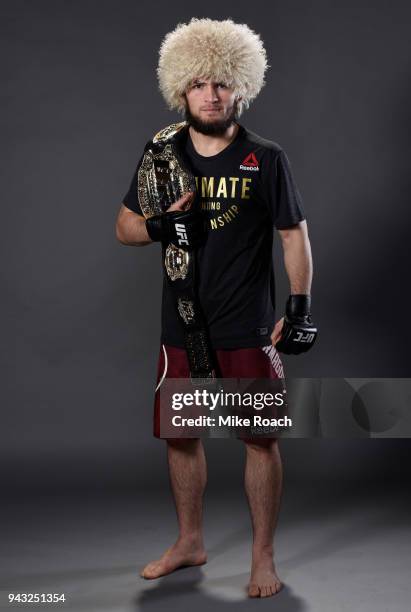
(257, 362)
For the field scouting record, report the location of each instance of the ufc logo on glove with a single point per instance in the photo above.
(181, 233)
(304, 337)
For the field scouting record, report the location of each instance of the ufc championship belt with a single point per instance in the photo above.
(163, 178)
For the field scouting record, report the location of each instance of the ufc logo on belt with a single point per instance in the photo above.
(181, 233)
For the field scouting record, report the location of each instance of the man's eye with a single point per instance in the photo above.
(223, 85)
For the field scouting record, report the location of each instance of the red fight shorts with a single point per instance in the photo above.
(256, 362)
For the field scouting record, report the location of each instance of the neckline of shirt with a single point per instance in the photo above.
(228, 148)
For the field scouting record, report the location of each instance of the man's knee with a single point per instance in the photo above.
(183, 444)
(261, 444)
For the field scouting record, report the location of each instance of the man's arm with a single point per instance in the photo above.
(131, 228)
(298, 264)
(297, 258)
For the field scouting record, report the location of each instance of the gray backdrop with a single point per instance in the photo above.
(80, 312)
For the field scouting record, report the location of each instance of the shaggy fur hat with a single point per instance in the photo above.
(205, 48)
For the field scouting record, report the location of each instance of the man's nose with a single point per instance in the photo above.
(211, 93)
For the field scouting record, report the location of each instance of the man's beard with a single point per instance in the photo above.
(217, 127)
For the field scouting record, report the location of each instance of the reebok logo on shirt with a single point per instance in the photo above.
(250, 163)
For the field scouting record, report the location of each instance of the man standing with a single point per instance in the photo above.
(211, 71)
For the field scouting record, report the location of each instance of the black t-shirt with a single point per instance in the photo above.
(245, 191)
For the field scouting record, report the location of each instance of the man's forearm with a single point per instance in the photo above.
(298, 259)
(131, 228)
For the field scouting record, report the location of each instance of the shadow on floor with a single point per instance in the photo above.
(188, 588)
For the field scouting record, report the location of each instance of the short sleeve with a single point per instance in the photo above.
(285, 201)
(131, 198)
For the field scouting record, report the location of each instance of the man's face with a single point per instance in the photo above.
(211, 107)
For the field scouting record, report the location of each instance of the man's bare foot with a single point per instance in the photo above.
(179, 555)
(264, 581)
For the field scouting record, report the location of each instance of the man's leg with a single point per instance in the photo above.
(263, 482)
(188, 476)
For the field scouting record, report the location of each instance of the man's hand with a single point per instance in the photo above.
(276, 335)
(184, 203)
(180, 225)
(298, 333)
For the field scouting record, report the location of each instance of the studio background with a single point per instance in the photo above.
(81, 312)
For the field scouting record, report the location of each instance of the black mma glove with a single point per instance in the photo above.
(184, 228)
(298, 334)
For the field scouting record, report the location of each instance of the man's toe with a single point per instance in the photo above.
(253, 590)
(150, 570)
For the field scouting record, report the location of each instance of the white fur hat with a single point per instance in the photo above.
(205, 48)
